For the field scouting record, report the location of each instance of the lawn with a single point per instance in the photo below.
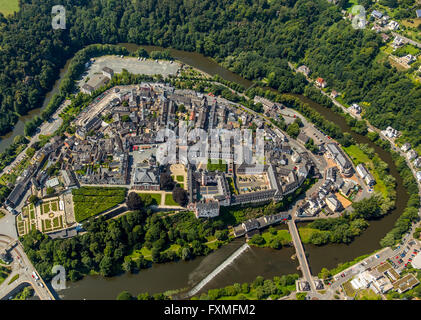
(367, 294)
(90, 201)
(156, 197)
(220, 165)
(169, 201)
(1, 214)
(306, 233)
(9, 6)
(282, 235)
(358, 156)
(349, 289)
(180, 178)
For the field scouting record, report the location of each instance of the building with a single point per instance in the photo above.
(418, 13)
(356, 109)
(393, 25)
(334, 94)
(390, 132)
(411, 155)
(146, 179)
(333, 203)
(408, 59)
(108, 72)
(376, 14)
(96, 82)
(304, 70)
(320, 82)
(365, 174)
(52, 183)
(303, 137)
(405, 147)
(206, 209)
(341, 160)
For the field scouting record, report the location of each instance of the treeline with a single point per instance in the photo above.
(68, 83)
(411, 212)
(255, 39)
(259, 289)
(107, 247)
(345, 228)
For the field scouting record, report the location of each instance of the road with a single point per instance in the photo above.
(23, 267)
(302, 259)
(407, 40)
(47, 128)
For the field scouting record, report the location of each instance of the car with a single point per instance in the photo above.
(406, 264)
(409, 259)
(399, 262)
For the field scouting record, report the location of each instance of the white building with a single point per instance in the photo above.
(208, 209)
(405, 147)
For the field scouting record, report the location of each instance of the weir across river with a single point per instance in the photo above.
(221, 267)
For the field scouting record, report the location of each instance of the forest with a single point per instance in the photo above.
(107, 247)
(253, 38)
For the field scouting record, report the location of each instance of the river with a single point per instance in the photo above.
(19, 127)
(254, 262)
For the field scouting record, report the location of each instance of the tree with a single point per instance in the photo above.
(105, 266)
(33, 199)
(50, 191)
(166, 181)
(125, 295)
(134, 202)
(293, 130)
(180, 196)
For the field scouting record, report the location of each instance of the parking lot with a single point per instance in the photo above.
(132, 65)
(404, 254)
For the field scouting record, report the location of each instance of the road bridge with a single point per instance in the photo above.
(299, 249)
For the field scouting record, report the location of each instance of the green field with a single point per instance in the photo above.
(9, 6)
(169, 201)
(90, 201)
(180, 178)
(306, 233)
(358, 156)
(220, 165)
(156, 197)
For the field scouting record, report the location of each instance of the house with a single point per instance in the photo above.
(355, 108)
(320, 82)
(390, 132)
(418, 13)
(393, 25)
(397, 42)
(206, 209)
(417, 162)
(362, 170)
(411, 155)
(334, 94)
(419, 176)
(405, 147)
(304, 70)
(408, 59)
(376, 14)
(333, 203)
(335, 152)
